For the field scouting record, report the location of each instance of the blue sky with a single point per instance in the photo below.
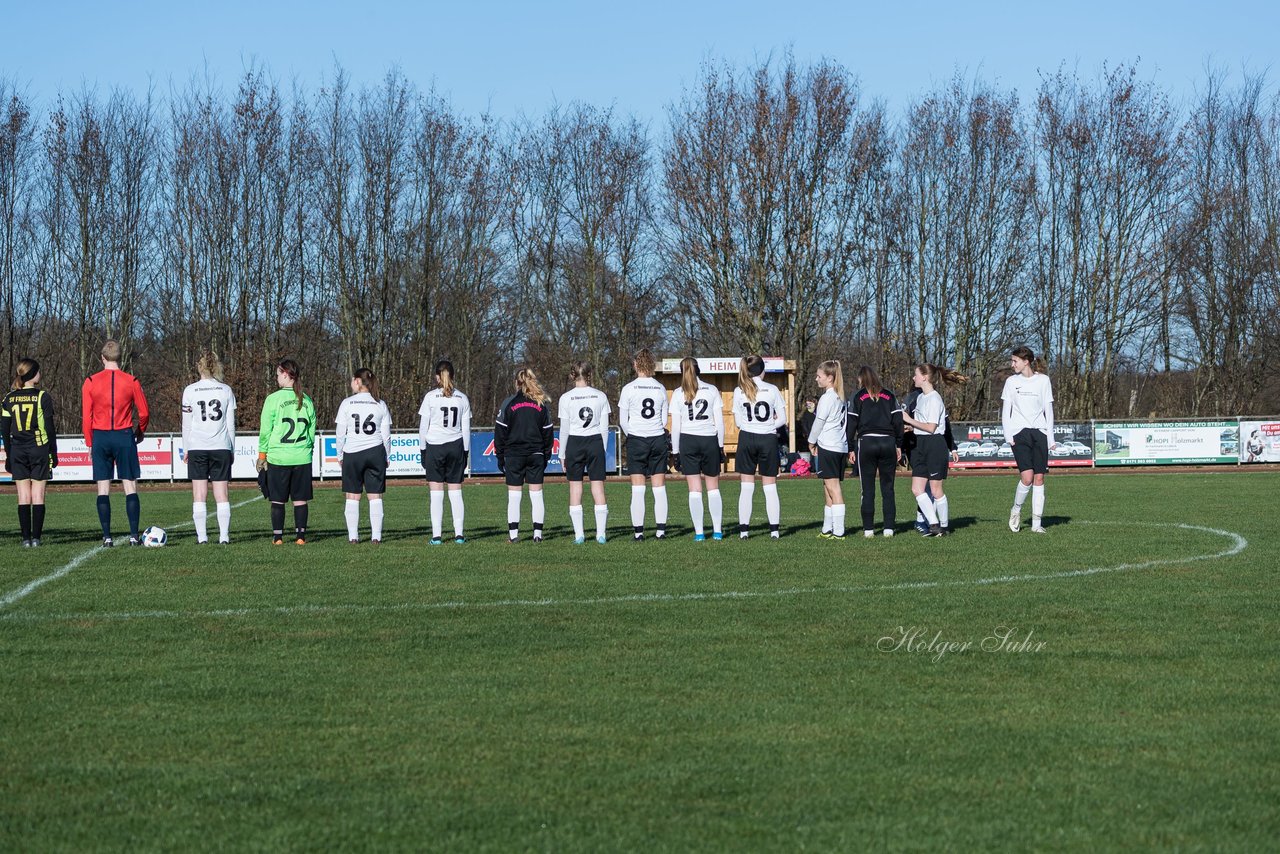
(523, 57)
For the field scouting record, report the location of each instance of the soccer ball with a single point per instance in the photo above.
(154, 537)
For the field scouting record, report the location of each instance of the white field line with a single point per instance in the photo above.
(26, 590)
(1238, 544)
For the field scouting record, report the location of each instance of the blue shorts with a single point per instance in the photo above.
(115, 455)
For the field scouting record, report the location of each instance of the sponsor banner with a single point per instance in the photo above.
(1260, 441)
(403, 461)
(1166, 443)
(155, 455)
(243, 467)
(485, 461)
(983, 445)
(722, 365)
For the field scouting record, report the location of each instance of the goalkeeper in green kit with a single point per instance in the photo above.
(285, 443)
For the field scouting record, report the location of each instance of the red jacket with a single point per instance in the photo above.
(108, 399)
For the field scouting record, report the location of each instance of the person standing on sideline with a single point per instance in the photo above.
(807, 415)
(444, 434)
(758, 410)
(363, 431)
(642, 415)
(28, 426)
(875, 425)
(909, 445)
(1026, 414)
(829, 444)
(697, 440)
(208, 438)
(522, 440)
(286, 441)
(584, 425)
(108, 400)
(929, 459)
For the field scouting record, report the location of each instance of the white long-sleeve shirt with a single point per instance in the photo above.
(829, 423)
(442, 420)
(362, 423)
(642, 408)
(584, 411)
(208, 416)
(1027, 402)
(703, 415)
(765, 414)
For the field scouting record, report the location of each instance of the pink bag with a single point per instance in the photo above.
(801, 467)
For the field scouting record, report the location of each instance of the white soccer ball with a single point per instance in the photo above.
(154, 537)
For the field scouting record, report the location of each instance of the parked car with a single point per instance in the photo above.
(986, 449)
(965, 449)
(1005, 452)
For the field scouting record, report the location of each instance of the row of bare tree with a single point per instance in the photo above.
(1134, 244)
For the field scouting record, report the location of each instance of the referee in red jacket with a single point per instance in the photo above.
(109, 399)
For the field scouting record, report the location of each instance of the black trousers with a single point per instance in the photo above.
(877, 455)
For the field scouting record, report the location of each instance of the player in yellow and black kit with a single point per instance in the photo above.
(31, 446)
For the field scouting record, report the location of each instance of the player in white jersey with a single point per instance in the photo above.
(444, 432)
(1026, 413)
(208, 440)
(929, 457)
(642, 415)
(697, 440)
(584, 425)
(758, 410)
(829, 443)
(364, 445)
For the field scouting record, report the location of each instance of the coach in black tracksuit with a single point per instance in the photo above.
(875, 446)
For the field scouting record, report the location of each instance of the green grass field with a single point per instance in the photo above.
(657, 695)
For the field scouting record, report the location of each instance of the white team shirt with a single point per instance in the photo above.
(584, 412)
(363, 423)
(763, 416)
(208, 416)
(701, 416)
(642, 408)
(442, 420)
(931, 410)
(829, 419)
(1028, 402)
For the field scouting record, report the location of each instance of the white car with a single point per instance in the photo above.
(1005, 452)
(986, 449)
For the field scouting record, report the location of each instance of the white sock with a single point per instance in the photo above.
(456, 505)
(772, 506)
(1020, 496)
(716, 506)
(513, 512)
(926, 507)
(745, 498)
(375, 518)
(437, 512)
(575, 516)
(660, 506)
(538, 508)
(224, 520)
(637, 507)
(943, 508)
(602, 519)
(352, 513)
(695, 511)
(200, 515)
(1037, 501)
(837, 519)
(826, 519)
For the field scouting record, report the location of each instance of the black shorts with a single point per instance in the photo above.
(647, 455)
(831, 464)
(365, 471)
(115, 454)
(699, 455)
(1031, 450)
(288, 483)
(446, 463)
(757, 454)
(525, 468)
(210, 465)
(929, 458)
(583, 454)
(30, 463)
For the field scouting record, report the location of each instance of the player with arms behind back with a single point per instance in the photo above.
(208, 435)
(30, 446)
(108, 401)
(642, 415)
(584, 426)
(697, 440)
(759, 411)
(522, 440)
(444, 431)
(286, 441)
(829, 443)
(363, 430)
(1026, 414)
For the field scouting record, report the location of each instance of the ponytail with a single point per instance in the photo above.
(444, 376)
(870, 380)
(831, 368)
(290, 367)
(368, 380)
(644, 363)
(748, 369)
(689, 377)
(25, 373)
(580, 371)
(527, 383)
(938, 376)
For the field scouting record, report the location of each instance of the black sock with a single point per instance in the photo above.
(277, 519)
(300, 520)
(24, 520)
(104, 515)
(37, 520)
(132, 508)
